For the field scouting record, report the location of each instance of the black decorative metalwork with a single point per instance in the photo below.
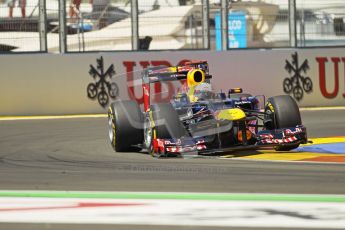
(103, 88)
(297, 84)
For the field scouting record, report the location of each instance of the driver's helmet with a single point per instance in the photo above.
(202, 91)
(204, 67)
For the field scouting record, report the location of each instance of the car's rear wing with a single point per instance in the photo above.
(194, 73)
(163, 73)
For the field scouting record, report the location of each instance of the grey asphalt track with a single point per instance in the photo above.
(74, 154)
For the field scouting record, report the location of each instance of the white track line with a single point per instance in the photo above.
(210, 213)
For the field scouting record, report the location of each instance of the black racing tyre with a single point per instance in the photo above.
(125, 124)
(166, 121)
(149, 134)
(164, 124)
(284, 113)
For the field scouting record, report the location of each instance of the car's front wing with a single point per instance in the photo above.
(188, 146)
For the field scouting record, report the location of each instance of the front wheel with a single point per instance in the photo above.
(283, 112)
(166, 121)
(162, 123)
(149, 135)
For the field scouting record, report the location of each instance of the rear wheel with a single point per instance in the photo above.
(282, 112)
(125, 125)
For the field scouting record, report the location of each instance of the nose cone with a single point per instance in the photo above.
(231, 114)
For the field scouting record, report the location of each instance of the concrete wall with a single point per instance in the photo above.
(52, 84)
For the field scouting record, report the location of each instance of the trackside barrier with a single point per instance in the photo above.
(51, 84)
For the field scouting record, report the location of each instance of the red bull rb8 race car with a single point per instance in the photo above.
(198, 121)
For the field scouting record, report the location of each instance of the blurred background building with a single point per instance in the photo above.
(121, 25)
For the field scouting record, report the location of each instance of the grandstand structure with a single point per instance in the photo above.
(125, 25)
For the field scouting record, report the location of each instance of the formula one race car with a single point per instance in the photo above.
(198, 121)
